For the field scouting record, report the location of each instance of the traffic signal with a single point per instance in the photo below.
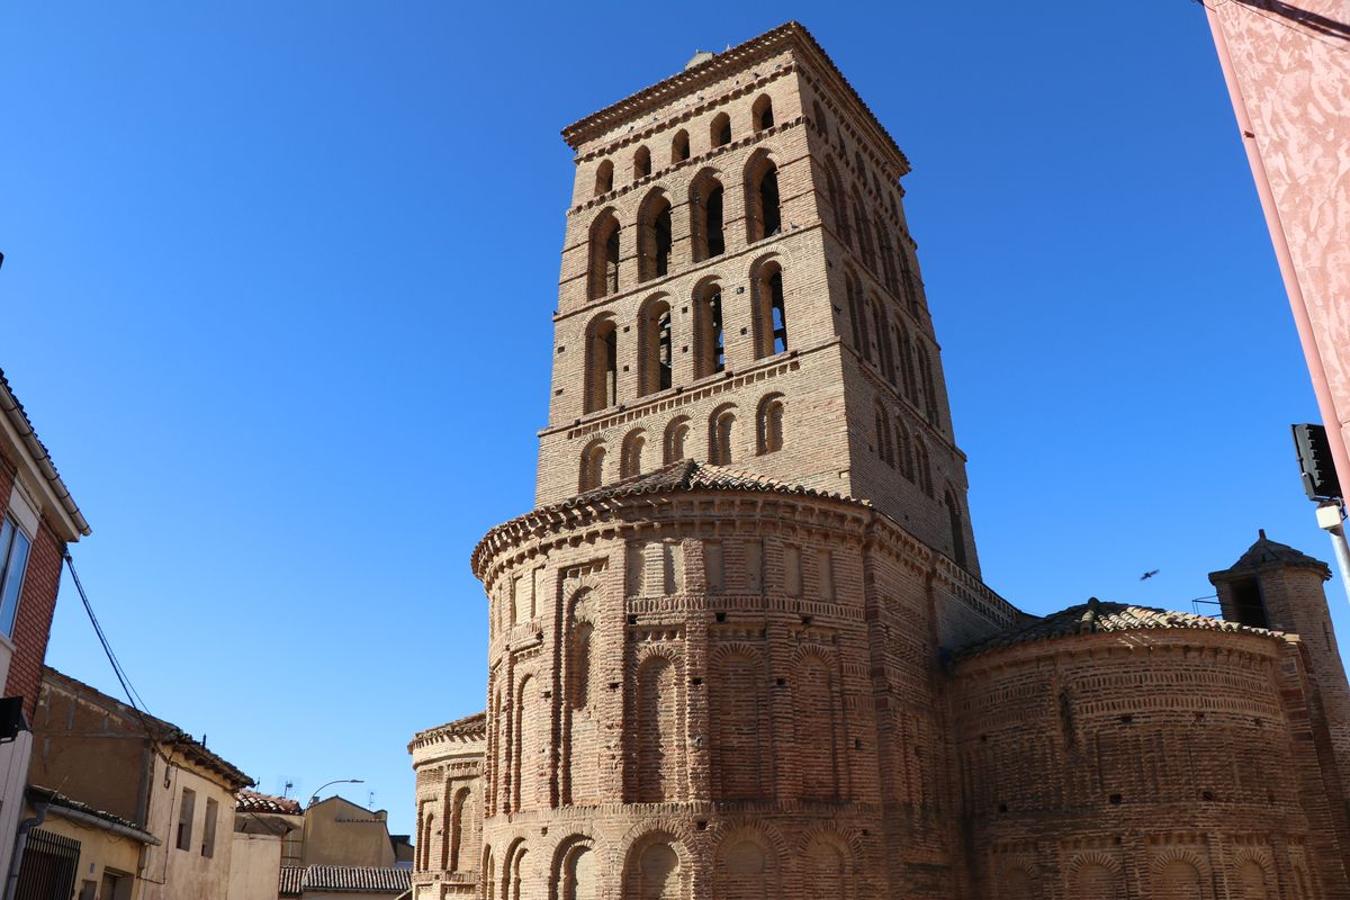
(1314, 461)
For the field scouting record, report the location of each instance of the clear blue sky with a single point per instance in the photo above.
(278, 286)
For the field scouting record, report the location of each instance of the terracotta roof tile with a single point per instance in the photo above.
(294, 881)
(1098, 617)
(1266, 552)
(258, 802)
(18, 416)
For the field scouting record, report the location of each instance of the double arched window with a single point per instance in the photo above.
(604, 253)
(838, 203)
(958, 528)
(862, 341)
(922, 468)
(904, 449)
(654, 236)
(765, 217)
(602, 363)
(884, 448)
(677, 436)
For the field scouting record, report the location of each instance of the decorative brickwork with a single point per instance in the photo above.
(741, 648)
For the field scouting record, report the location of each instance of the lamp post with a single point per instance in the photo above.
(314, 798)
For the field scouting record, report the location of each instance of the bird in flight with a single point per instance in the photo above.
(1147, 575)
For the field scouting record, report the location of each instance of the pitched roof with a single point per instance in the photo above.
(1099, 617)
(1266, 552)
(683, 476)
(258, 802)
(82, 810)
(18, 418)
(469, 726)
(156, 729)
(715, 67)
(295, 880)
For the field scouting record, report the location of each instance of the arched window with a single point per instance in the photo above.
(490, 873)
(762, 112)
(929, 385)
(869, 253)
(824, 869)
(679, 147)
(577, 876)
(922, 468)
(592, 468)
(906, 360)
(653, 871)
(459, 808)
(602, 364)
(822, 123)
(604, 249)
(769, 428)
(579, 652)
(887, 258)
(720, 132)
(909, 281)
(654, 236)
(709, 345)
(904, 449)
(654, 362)
(838, 205)
(769, 315)
(677, 434)
(858, 316)
(814, 698)
(656, 732)
(884, 437)
(958, 529)
(604, 178)
(745, 869)
(722, 435)
(764, 217)
(642, 163)
(707, 225)
(630, 459)
(883, 340)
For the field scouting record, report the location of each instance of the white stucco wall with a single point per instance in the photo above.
(255, 866)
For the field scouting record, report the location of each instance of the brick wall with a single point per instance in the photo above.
(33, 623)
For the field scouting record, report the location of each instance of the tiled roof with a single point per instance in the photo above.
(295, 880)
(289, 884)
(39, 794)
(1098, 617)
(258, 802)
(1266, 552)
(18, 417)
(683, 476)
(469, 726)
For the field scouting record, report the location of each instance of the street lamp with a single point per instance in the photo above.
(314, 798)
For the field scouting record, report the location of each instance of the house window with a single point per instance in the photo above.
(14, 545)
(186, 807)
(209, 828)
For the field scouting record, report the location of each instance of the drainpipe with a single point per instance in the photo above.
(20, 842)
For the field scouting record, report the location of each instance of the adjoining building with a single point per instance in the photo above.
(38, 519)
(140, 770)
(741, 647)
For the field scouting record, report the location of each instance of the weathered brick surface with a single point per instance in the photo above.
(783, 684)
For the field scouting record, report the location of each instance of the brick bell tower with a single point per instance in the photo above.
(739, 286)
(715, 646)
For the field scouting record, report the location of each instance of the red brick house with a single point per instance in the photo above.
(38, 518)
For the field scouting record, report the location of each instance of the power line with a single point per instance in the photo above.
(133, 696)
(1308, 30)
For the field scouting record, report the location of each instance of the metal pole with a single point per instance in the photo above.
(1331, 519)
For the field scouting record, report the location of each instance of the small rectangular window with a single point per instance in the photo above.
(186, 807)
(209, 828)
(14, 546)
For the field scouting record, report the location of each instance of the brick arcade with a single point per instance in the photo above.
(741, 647)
